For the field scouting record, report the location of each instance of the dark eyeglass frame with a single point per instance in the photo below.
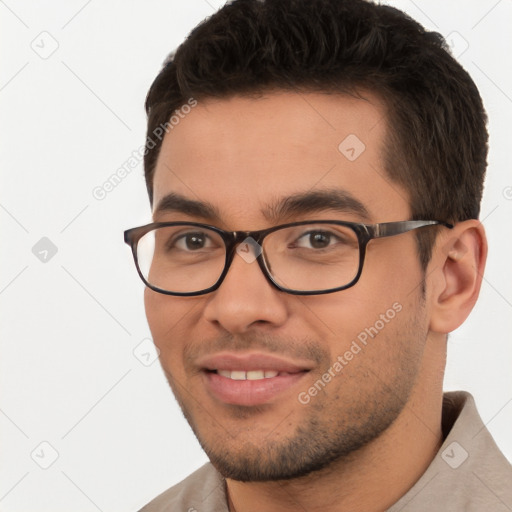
(364, 233)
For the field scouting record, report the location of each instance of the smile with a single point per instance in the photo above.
(248, 375)
(251, 378)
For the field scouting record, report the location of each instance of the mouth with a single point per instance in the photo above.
(251, 379)
(250, 375)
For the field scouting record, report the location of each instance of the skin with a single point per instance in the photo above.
(371, 432)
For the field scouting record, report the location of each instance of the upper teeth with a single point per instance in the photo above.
(250, 375)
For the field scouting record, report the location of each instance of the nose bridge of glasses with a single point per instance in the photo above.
(235, 239)
(246, 245)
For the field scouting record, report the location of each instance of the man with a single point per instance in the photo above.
(315, 239)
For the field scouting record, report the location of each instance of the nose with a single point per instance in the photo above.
(245, 298)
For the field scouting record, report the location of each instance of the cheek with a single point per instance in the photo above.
(372, 318)
(167, 316)
(375, 340)
(342, 316)
(392, 268)
(154, 308)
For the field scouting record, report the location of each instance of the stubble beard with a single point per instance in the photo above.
(333, 429)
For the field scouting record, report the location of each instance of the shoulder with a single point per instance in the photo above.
(203, 490)
(469, 473)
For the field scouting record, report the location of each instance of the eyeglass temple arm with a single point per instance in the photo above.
(396, 228)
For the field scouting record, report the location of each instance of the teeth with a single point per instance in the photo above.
(250, 375)
(255, 375)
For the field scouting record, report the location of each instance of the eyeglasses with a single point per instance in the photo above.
(301, 258)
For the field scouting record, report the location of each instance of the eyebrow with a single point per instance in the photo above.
(277, 210)
(180, 204)
(313, 202)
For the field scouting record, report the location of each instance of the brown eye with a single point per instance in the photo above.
(191, 241)
(317, 240)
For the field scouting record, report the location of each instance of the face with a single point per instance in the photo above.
(324, 374)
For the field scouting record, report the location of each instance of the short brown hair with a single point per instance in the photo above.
(437, 142)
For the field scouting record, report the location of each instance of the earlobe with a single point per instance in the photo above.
(459, 260)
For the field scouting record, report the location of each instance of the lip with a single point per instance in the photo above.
(252, 361)
(250, 392)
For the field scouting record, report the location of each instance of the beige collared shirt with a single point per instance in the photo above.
(469, 473)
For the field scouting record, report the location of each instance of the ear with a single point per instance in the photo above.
(458, 261)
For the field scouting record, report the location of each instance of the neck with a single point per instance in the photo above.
(371, 479)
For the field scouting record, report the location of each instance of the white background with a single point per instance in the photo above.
(70, 325)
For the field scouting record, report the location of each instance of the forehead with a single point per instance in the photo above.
(241, 153)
